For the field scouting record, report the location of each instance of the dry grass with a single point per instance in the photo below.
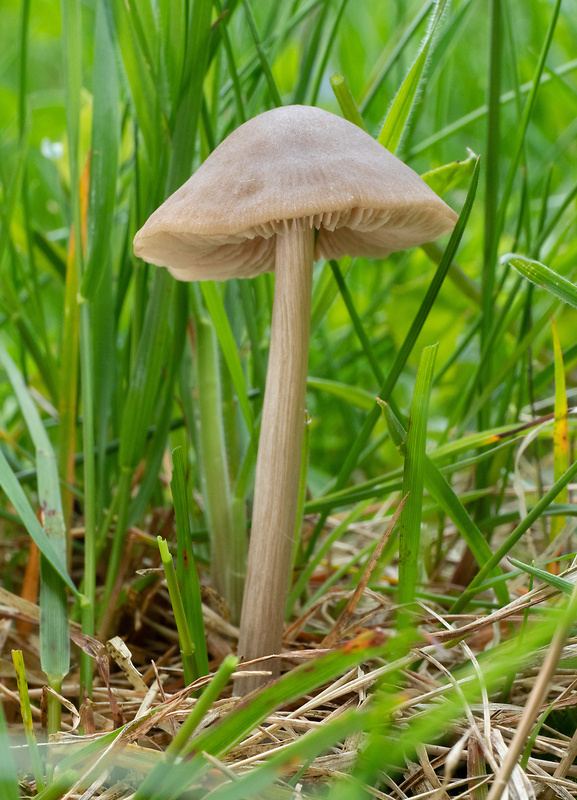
(140, 685)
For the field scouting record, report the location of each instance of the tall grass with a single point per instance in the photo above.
(108, 365)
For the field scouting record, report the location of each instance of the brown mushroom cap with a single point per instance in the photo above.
(292, 162)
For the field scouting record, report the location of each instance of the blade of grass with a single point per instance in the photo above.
(265, 66)
(187, 111)
(72, 43)
(479, 113)
(354, 395)
(310, 54)
(443, 494)
(560, 432)
(16, 495)
(54, 638)
(324, 57)
(521, 132)
(187, 647)
(313, 561)
(547, 578)
(346, 101)
(223, 330)
(210, 694)
(9, 786)
(186, 566)
(398, 115)
(298, 682)
(394, 56)
(139, 72)
(228, 550)
(26, 713)
(146, 382)
(544, 277)
(103, 155)
(514, 537)
(413, 484)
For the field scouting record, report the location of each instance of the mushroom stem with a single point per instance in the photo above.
(279, 454)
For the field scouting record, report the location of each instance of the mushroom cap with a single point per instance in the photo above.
(294, 162)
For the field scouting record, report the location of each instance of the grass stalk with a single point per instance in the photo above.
(187, 646)
(186, 567)
(228, 552)
(26, 713)
(413, 484)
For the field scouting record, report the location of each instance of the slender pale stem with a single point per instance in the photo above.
(279, 453)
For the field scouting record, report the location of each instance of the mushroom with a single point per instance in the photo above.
(285, 189)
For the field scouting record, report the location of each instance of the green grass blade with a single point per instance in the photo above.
(158, 775)
(188, 108)
(300, 681)
(9, 786)
(543, 277)
(325, 290)
(357, 324)
(54, 638)
(312, 563)
(560, 431)
(389, 62)
(16, 495)
(546, 577)
(144, 387)
(140, 74)
(346, 101)
(264, 63)
(413, 484)
(442, 179)
(228, 549)
(310, 52)
(524, 124)
(305, 748)
(350, 394)
(399, 114)
(444, 495)
(27, 721)
(514, 537)
(186, 566)
(324, 57)
(187, 647)
(103, 155)
(481, 112)
(217, 312)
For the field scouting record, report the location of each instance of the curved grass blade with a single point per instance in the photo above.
(544, 277)
(398, 115)
(54, 638)
(350, 394)
(383, 71)
(547, 578)
(15, 494)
